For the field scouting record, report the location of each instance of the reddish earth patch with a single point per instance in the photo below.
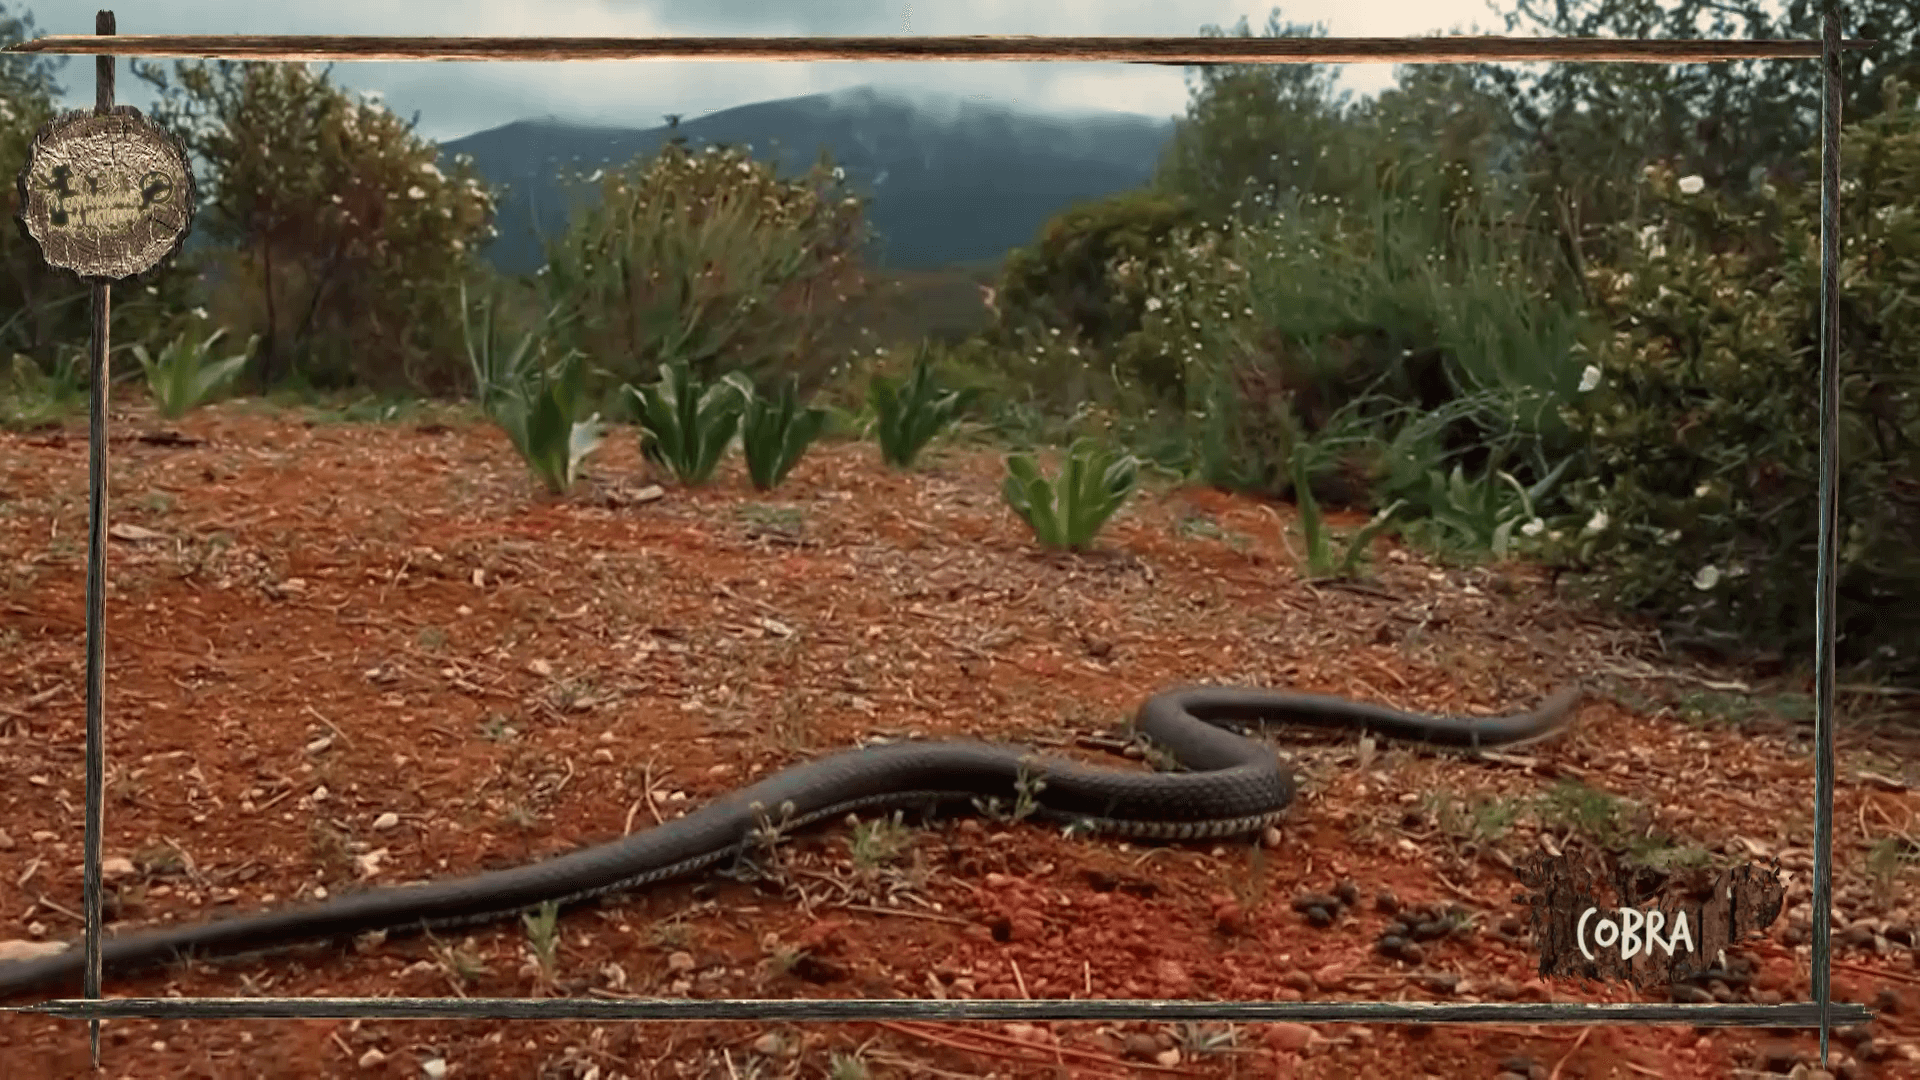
(341, 655)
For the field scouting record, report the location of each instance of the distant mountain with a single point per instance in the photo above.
(948, 181)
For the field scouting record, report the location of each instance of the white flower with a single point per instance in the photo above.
(432, 170)
(1705, 489)
(1153, 303)
(199, 313)
(1597, 524)
(1534, 527)
(1590, 378)
(1707, 578)
(416, 192)
(1691, 185)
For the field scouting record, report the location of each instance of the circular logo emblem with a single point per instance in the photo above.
(107, 196)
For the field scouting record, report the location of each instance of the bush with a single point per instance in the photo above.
(685, 425)
(1068, 511)
(1061, 283)
(541, 415)
(712, 260)
(1700, 504)
(339, 235)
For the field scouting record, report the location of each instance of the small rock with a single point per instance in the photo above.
(434, 1068)
(115, 867)
(1287, 1038)
(769, 1045)
(1347, 893)
(1168, 1058)
(1331, 977)
(1319, 917)
(386, 821)
(680, 963)
(1142, 1047)
(1295, 979)
(6, 841)
(1503, 989)
(372, 1058)
(1385, 902)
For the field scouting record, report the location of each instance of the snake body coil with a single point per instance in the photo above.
(1233, 786)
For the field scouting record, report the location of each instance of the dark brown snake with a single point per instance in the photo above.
(1232, 786)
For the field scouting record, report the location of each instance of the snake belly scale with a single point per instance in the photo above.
(1232, 786)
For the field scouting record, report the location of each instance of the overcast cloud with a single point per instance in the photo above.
(456, 99)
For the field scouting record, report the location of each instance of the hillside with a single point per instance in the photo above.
(950, 181)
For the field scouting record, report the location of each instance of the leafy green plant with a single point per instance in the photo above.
(909, 416)
(1320, 562)
(1068, 511)
(183, 377)
(775, 434)
(1479, 513)
(541, 416)
(685, 426)
(497, 372)
(543, 936)
(33, 397)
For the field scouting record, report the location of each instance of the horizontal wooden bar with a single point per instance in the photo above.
(1135, 50)
(1793, 1015)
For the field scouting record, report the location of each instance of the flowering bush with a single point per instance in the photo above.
(1700, 409)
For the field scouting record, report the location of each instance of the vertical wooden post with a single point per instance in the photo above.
(98, 374)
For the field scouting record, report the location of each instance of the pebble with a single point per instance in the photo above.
(1385, 902)
(373, 1057)
(1331, 977)
(680, 962)
(1287, 1038)
(1141, 1046)
(1168, 1058)
(386, 821)
(435, 1068)
(768, 1045)
(115, 867)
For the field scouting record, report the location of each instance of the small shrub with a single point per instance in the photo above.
(183, 377)
(909, 416)
(1068, 511)
(542, 418)
(1320, 562)
(686, 427)
(775, 434)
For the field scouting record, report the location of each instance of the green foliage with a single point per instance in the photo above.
(712, 260)
(686, 425)
(1320, 561)
(1061, 282)
(1699, 409)
(184, 376)
(1068, 511)
(908, 417)
(496, 372)
(775, 434)
(342, 236)
(542, 415)
(34, 398)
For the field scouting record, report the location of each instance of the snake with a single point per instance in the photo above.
(1225, 784)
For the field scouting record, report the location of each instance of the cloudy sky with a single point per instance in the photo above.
(456, 99)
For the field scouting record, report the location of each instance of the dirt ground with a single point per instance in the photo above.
(344, 654)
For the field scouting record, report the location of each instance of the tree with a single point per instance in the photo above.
(1254, 132)
(1738, 125)
(338, 216)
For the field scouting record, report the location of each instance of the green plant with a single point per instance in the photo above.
(878, 843)
(541, 417)
(34, 397)
(909, 416)
(1068, 511)
(1320, 562)
(775, 434)
(687, 427)
(712, 258)
(183, 376)
(498, 373)
(335, 224)
(543, 936)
